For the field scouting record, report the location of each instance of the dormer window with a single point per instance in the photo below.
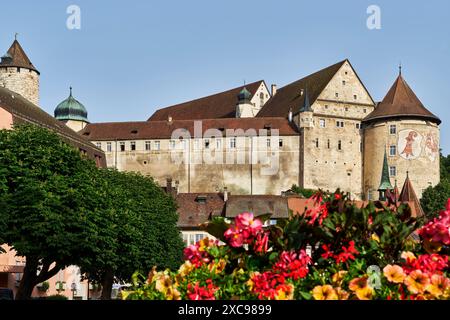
(201, 199)
(134, 131)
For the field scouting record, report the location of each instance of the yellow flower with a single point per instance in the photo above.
(325, 292)
(375, 237)
(218, 267)
(172, 294)
(417, 281)
(285, 294)
(342, 294)
(364, 293)
(185, 268)
(358, 283)
(338, 277)
(151, 275)
(408, 255)
(438, 285)
(163, 282)
(394, 273)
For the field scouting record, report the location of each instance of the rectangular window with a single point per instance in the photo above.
(218, 143)
(108, 147)
(343, 82)
(122, 146)
(99, 145)
(339, 145)
(336, 95)
(340, 124)
(317, 142)
(232, 143)
(393, 129)
(322, 123)
(206, 143)
(198, 237)
(280, 143)
(360, 147)
(186, 239)
(148, 145)
(268, 143)
(392, 171)
(355, 96)
(328, 143)
(157, 145)
(358, 126)
(392, 150)
(172, 144)
(133, 146)
(365, 110)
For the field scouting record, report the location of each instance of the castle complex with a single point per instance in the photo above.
(322, 131)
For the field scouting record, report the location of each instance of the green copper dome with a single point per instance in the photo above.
(244, 95)
(71, 109)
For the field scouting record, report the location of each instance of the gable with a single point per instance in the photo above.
(347, 84)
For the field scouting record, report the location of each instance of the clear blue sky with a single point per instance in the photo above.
(131, 57)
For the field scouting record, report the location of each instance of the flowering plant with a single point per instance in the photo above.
(333, 251)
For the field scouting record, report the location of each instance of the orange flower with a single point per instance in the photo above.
(342, 294)
(285, 293)
(358, 283)
(364, 293)
(438, 285)
(408, 255)
(325, 292)
(338, 277)
(394, 273)
(417, 281)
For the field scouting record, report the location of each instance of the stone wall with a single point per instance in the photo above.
(22, 81)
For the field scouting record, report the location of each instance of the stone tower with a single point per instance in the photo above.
(244, 107)
(18, 74)
(411, 134)
(72, 113)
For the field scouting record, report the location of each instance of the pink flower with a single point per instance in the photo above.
(246, 221)
(235, 237)
(438, 229)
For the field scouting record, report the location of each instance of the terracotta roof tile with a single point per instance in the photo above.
(289, 96)
(219, 105)
(258, 205)
(408, 195)
(164, 129)
(192, 212)
(401, 101)
(24, 111)
(18, 58)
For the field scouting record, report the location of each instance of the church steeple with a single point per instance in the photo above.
(306, 107)
(385, 183)
(16, 57)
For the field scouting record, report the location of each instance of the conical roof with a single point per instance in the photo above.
(16, 57)
(71, 109)
(409, 195)
(401, 101)
(385, 183)
(244, 95)
(306, 107)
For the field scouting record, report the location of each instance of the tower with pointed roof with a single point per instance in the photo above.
(305, 111)
(245, 108)
(410, 132)
(385, 182)
(72, 113)
(18, 74)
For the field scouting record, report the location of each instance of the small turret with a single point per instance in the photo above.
(385, 183)
(72, 113)
(306, 112)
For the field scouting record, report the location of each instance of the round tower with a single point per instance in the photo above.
(72, 113)
(18, 74)
(402, 127)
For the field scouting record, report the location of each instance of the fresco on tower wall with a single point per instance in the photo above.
(431, 147)
(409, 144)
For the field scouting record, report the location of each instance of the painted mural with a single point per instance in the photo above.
(409, 144)
(431, 147)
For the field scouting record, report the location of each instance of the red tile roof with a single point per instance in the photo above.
(18, 58)
(277, 206)
(219, 105)
(290, 96)
(408, 195)
(164, 129)
(401, 101)
(192, 212)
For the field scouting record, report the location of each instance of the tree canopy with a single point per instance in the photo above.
(58, 209)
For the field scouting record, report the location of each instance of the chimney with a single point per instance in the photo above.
(274, 89)
(290, 115)
(169, 188)
(225, 194)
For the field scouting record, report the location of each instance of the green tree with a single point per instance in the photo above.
(43, 182)
(141, 219)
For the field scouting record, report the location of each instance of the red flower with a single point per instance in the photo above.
(202, 293)
(327, 252)
(235, 236)
(262, 243)
(293, 265)
(337, 196)
(438, 229)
